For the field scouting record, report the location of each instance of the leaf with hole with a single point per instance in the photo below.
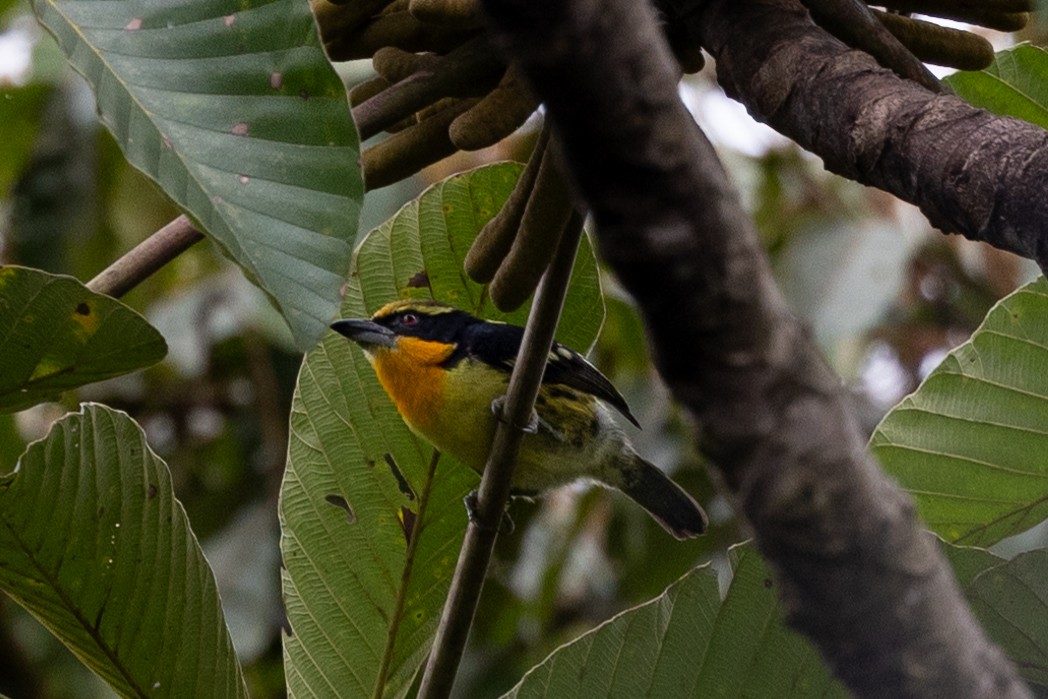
(56, 334)
(94, 544)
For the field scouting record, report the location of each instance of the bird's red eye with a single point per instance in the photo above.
(409, 319)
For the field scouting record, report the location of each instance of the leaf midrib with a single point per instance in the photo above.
(68, 603)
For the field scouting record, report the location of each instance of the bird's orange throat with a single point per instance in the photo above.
(413, 378)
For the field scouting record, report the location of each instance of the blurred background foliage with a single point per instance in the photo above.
(885, 295)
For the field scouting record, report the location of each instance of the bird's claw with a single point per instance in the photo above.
(497, 406)
(506, 525)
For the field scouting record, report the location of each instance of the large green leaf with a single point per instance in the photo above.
(55, 334)
(1010, 600)
(971, 444)
(232, 107)
(11, 443)
(1015, 84)
(94, 544)
(689, 643)
(968, 562)
(362, 602)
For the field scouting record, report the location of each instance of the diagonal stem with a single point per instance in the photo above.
(457, 617)
(405, 578)
(141, 261)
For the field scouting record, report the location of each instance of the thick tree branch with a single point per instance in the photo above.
(855, 22)
(138, 263)
(969, 171)
(855, 571)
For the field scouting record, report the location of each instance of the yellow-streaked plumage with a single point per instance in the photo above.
(443, 368)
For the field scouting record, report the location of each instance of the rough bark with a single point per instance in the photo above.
(854, 569)
(969, 171)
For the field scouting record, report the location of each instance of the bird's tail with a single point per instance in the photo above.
(667, 502)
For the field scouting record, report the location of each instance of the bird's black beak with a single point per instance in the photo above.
(365, 332)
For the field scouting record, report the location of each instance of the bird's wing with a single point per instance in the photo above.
(568, 367)
(497, 345)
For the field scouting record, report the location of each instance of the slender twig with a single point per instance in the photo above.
(457, 617)
(146, 258)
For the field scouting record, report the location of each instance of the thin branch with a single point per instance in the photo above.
(854, 570)
(147, 257)
(461, 605)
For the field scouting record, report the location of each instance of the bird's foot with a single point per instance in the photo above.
(497, 406)
(506, 525)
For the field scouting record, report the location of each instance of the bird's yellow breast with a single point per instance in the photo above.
(414, 379)
(449, 407)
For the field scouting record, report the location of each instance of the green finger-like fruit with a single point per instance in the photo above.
(497, 115)
(494, 241)
(405, 153)
(546, 214)
(937, 44)
(342, 17)
(397, 29)
(362, 92)
(458, 13)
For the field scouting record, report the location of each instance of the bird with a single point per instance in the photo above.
(446, 370)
